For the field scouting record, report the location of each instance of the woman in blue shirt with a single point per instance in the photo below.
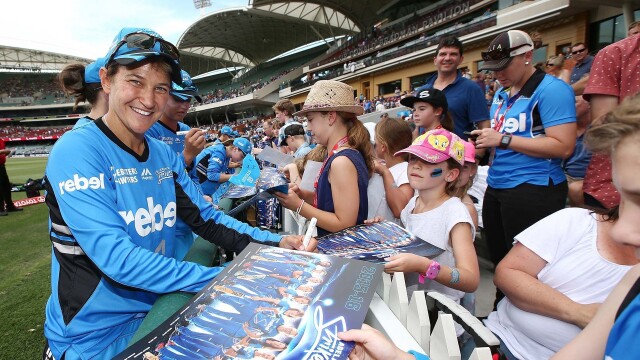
(113, 210)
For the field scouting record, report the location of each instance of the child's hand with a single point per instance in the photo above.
(375, 220)
(405, 263)
(380, 166)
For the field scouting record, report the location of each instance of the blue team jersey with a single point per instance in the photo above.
(467, 104)
(82, 121)
(623, 337)
(208, 166)
(544, 101)
(112, 226)
(170, 137)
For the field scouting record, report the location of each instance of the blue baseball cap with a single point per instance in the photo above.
(92, 71)
(226, 130)
(235, 133)
(243, 144)
(186, 90)
(136, 44)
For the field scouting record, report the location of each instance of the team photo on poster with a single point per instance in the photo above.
(269, 303)
(375, 242)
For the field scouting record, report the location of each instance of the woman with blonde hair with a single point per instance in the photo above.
(340, 197)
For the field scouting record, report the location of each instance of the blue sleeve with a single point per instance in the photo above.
(478, 110)
(556, 104)
(206, 211)
(216, 163)
(418, 355)
(92, 218)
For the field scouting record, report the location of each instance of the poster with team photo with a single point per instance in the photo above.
(269, 303)
(375, 242)
(271, 180)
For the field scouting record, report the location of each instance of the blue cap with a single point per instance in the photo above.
(186, 90)
(92, 71)
(235, 133)
(226, 130)
(243, 144)
(121, 53)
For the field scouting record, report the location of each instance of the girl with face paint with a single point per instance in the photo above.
(437, 216)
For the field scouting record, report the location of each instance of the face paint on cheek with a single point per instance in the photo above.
(436, 173)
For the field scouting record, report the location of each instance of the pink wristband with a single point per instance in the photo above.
(432, 272)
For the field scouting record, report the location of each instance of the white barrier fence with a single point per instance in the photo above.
(407, 323)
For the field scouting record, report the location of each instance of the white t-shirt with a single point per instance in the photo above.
(567, 241)
(376, 194)
(434, 227)
(478, 189)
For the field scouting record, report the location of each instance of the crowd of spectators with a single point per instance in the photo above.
(217, 95)
(379, 37)
(19, 131)
(41, 87)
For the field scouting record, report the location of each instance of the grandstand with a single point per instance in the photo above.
(242, 58)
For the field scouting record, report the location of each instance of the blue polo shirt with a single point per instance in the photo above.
(467, 104)
(581, 69)
(544, 101)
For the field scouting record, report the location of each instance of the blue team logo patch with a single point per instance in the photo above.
(163, 174)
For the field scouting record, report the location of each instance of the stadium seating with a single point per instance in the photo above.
(30, 89)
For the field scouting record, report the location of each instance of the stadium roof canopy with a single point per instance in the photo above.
(19, 59)
(248, 36)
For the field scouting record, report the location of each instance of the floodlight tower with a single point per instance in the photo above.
(201, 4)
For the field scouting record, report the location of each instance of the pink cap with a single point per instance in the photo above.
(436, 146)
(469, 152)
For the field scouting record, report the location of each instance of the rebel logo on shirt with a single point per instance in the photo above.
(512, 125)
(81, 183)
(152, 218)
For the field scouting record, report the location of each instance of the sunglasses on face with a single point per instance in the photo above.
(499, 54)
(147, 42)
(578, 51)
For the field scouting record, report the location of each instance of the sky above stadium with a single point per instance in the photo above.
(86, 27)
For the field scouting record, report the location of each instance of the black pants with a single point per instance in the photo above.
(5, 190)
(507, 212)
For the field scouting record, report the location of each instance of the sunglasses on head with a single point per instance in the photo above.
(578, 51)
(147, 42)
(181, 100)
(499, 54)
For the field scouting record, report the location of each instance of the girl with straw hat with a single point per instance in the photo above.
(340, 197)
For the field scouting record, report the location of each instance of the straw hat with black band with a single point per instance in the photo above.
(330, 95)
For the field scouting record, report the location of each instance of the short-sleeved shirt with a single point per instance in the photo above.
(467, 104)
(581, 69)
(3, 157)
(576, 165)
(162, 132)
(82, 121)
(566, 240)
(614, 72)
(325, 196)
(208, 166)
(544, 101)
(302, 151)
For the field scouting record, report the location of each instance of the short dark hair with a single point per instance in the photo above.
(578, 44)
(449, 41)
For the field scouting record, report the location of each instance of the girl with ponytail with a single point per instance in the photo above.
(83, 83)
(340, 197)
